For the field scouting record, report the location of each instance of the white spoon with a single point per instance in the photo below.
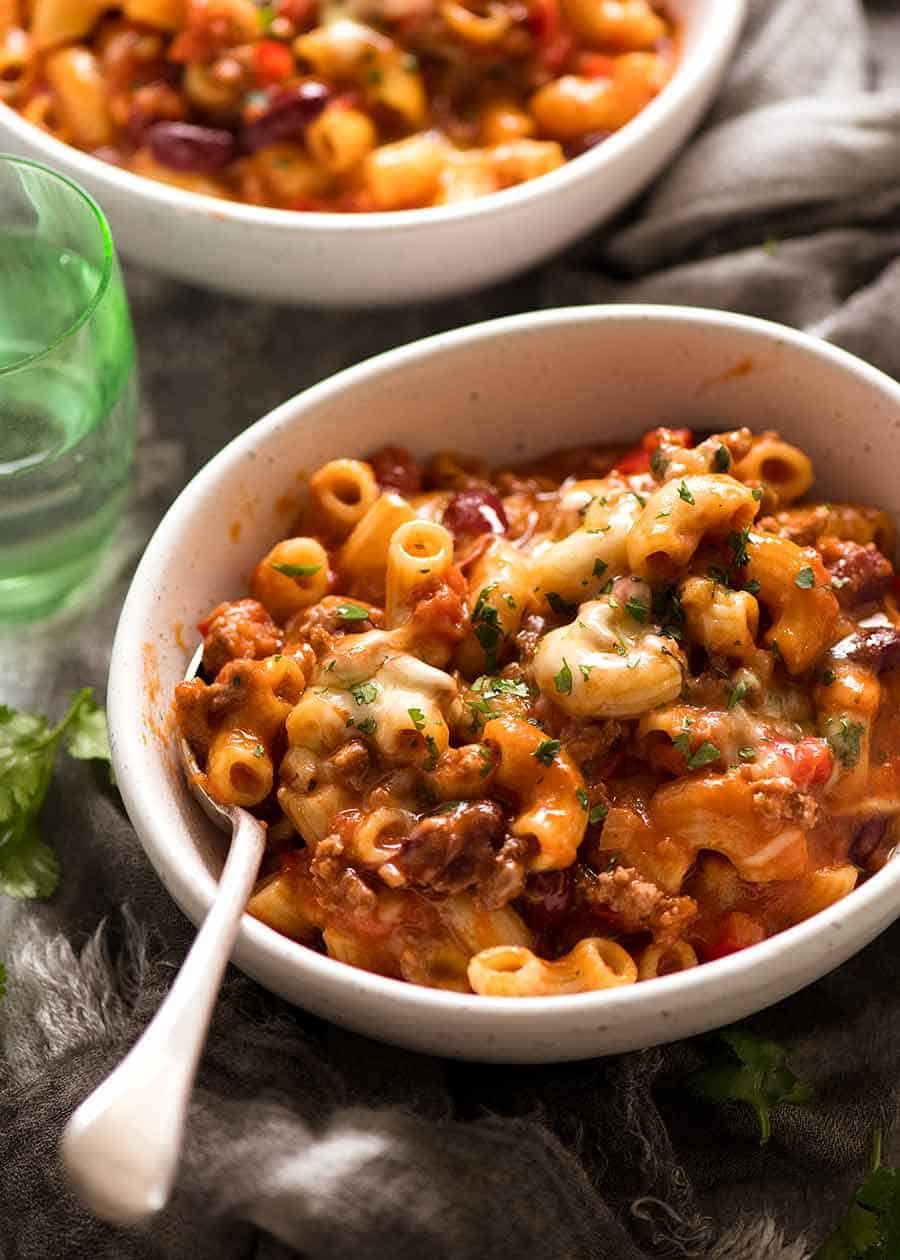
(121, 1146)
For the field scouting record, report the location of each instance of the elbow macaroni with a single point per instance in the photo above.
(595, 735)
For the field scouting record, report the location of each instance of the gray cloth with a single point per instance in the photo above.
(307, 1140)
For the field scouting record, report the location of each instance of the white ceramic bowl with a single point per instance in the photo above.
(514, 387)
(357, 259)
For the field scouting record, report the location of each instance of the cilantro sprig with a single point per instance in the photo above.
(756, 1073)
(870, 1229)
(28, 749)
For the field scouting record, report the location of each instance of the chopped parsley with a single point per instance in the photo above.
(492, 686)
(432, 758)
(367, 726)
(805, 578)
(600, 567)
(838, 583)
(586, 671)
(746, 753)
(718, 574)
(582, 797)
(637, 608)
(296, 570)
(487, 761)
(737, 694)
(598, 813)
(828, 678)
(752, 587)
(563, 680)
(364, 693)
(508, 600)
(546, 751)
(721, 459)
(737, 541)
(685, 495)
(620, 650)
(660, 516)
(486, 625)
(668, 611)
(843, 738)
(259, 752)
(418, 718)
(352, 612)
(640, 498)
(561, 606)
(704, 756)
(756, 493)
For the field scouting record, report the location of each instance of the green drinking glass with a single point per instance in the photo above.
(68, 389)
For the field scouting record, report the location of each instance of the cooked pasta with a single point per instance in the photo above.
(370, 105)
(520, 733)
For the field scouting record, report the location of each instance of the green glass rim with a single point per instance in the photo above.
(109, 254)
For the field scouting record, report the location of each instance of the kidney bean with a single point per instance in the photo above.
(186, 147)
(547, 899)
(396, 469)
(290, 113)
(475, 512)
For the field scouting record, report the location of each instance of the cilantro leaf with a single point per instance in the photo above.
(843, 738)
(637, 608)
(704, 756)
(598, 813)
(563, 680)
(870, 1229)
(296, 570)
(582, 798)
(418, 718)
(684, 494)
(351, 612)
(756, 1074)
(600, 567)
(721, 459)
(805, 578)
(546, 751)
(364, 693)
(737, 541)
(737, 694)
(28, 748)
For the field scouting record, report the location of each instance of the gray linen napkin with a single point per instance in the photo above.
(307, 1140)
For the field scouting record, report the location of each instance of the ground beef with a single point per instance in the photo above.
(876, 647)
(635, 904)
(239, 631)
(322, 622)
(589, 744)
(338, 887)
(464, 848)
(351, 764)
(533, 628)
(860, 573)
(779, 800)
(200, 707)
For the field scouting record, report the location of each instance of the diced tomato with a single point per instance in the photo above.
(637, 460)
(810, 761)
(596, 65)
(737, 932)
(272, 62)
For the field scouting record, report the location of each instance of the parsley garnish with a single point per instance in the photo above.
(747, 754)
(838, 583)
(490, 687)
(487, 759)
(546, 751)
(704, 756)
(364, 693)
(685, 495)
(432, 758)
(843, 737)
(805, 578)
(418, 718)
(828, 678)
(719, 575)
(637, 608)
(640, 498)
(586, 671)
(756, 493)
(28, 748)
(598, 813)
(668, 612)
(756, 1074)
(561, 606)
(296, 570)
(600, 567)
(351, 612)
(721, 459)
(259, 752)
(737, 541)
(752, 587)
(367, 726)
(486, 625)
(737, 694)
(563, 680)
(582, 798)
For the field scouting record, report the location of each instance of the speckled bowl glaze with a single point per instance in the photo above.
(514, 387)
(332, 259)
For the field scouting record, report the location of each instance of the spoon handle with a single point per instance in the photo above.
(121, 1146)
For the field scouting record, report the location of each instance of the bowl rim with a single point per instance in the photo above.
(725, 22)
(256, 942)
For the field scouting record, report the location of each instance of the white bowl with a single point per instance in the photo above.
(513, 387)
(332, 259)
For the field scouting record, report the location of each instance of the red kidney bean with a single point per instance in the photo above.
(396, 469)
(186, 147)
(475, 512)
(290, 113)
(547, 900)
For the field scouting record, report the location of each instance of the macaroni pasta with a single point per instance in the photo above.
(521, 732)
